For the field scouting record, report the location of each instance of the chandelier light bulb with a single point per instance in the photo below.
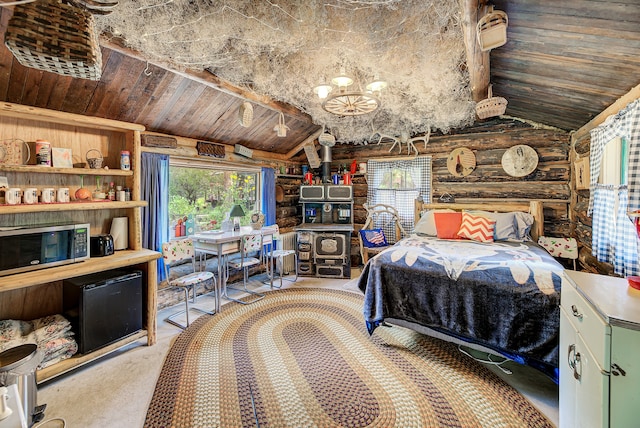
(322, 90)
(342, 81)
(377, 86)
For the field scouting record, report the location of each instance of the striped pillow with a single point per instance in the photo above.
(476, 228)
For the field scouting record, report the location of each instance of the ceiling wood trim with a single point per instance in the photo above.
(614, 108)
(300, 146)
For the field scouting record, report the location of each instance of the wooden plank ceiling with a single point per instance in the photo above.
(565, 62)
(562, 65)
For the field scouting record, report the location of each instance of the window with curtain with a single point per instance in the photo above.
(201, 194)
(615, 189)
(398, 183)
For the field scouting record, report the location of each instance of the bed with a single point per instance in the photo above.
(501, 296)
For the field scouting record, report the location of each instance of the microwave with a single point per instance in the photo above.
(26, 249)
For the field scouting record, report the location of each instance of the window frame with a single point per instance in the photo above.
(223, 166)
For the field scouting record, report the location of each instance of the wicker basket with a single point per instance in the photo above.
(492, 30)
(95, 161)
(492, 106)
(245, 114)
(55, 37)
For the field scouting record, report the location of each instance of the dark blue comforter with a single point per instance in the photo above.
(502, 295)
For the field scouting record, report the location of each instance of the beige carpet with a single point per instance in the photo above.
(302, 357)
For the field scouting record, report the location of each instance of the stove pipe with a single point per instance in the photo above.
(325, 155)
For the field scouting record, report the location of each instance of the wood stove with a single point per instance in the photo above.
(324, 237)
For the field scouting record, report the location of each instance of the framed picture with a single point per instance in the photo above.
(61, 157)
(581, 167)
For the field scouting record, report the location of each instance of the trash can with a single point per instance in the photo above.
(18, 366)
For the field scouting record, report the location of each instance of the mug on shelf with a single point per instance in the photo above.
(63, 194)
(13, 196)
(48, 195)
(30, 195)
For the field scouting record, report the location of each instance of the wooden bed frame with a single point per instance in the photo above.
(534, 208)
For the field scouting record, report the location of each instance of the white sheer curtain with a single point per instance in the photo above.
(403, 191)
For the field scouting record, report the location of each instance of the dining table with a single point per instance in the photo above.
(224, 243)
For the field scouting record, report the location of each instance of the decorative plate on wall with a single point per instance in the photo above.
(461, 162)
(519, 161)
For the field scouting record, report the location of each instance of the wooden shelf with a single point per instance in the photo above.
(95, 264)
(69, 171)
(37, 293)
(64, 366)
(70, 206)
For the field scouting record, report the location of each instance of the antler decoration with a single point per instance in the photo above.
(403, 139)
(96, 7)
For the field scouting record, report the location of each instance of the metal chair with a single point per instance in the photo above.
(179, 251)
(384, 217)
(566, 248)
(278, 254)
(251, 243)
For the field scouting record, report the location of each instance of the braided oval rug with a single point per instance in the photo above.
(303, 358)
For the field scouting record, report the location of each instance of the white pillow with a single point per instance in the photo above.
(426, 226)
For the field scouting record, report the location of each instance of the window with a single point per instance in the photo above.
(201, 195)
(613, 169)
(398, 183)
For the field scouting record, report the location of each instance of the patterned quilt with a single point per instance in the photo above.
(501, 295)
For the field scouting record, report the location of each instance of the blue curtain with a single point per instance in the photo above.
(269, 196)
(155, 216)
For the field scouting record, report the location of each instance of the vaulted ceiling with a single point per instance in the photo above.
(563, 64)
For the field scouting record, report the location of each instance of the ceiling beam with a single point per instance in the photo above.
(477, 60)
(300, 146)
(215, 82)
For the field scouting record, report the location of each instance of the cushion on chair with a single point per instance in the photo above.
(248, 261)
(178, 249)
(191, 279)
(282, 253)
(251, 243)
(560, 247)
(373, 238)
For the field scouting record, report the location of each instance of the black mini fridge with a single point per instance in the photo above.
(103, 307)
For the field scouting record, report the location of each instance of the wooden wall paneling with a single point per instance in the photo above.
(32, 302)
(124, 86)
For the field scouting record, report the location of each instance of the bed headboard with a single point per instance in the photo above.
(534, 208)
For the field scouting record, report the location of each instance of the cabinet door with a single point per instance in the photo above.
(568, 385)
(625, 377)
(584, 390)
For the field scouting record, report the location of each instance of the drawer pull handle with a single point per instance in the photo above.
(573, 359)
(576, 373)
(575, 311)
(570, 360)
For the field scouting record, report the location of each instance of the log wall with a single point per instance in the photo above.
(550, 182)
(582, 229)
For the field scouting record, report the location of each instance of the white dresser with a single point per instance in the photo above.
(599, 352)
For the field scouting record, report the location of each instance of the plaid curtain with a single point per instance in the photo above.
(625, 258)
(626, 123)
(402, 199)
(615, 239)
(603, 224)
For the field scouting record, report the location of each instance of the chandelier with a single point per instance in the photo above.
(339, 99)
